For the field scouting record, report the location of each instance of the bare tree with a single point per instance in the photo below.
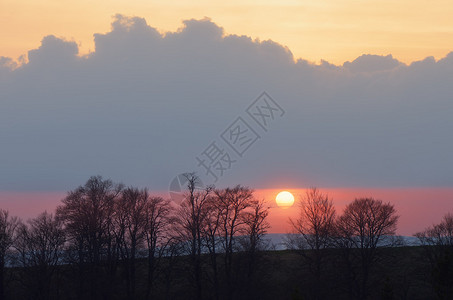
(365, 225)
(313, 231)
(130, 218)
(437, 241)
(40, 246)
(8, 226)
(211, 232)
(255, 225)
(233, 203)
(87, 213)
(440, 235)
(190, 223)
(255, 228)
(158, 217)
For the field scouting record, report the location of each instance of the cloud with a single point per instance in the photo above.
(143, 105)
(372, 63)
(52, 52)
(7, 63)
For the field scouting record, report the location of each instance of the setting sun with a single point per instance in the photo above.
(284, 199)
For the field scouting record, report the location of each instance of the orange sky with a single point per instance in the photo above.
(417, 207)
(333, 30)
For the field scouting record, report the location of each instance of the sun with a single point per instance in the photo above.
(284, 199)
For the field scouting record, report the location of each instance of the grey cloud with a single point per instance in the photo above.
(144, 104)
(372, 63)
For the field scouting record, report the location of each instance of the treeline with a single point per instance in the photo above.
(356, 255)
(103, 234)
(108, 241)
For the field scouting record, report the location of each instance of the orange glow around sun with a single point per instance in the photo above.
(284, 199)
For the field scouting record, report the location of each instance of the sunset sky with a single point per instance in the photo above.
(138, 91)
(332, 30)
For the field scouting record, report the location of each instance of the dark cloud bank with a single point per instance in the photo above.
(143, 105)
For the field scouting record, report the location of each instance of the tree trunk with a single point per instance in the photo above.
(2, 278)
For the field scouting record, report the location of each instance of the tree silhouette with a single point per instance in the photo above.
(255, 228)
(437, 242)
(232, 202)
(159, 238)
(8, 226)
(313, 230)
(130, 226)
(39, 245)
(87, 213)
(366, 223)
(111, 242)
(190, 221)
(212, 242)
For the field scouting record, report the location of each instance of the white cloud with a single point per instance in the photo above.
(143, 105)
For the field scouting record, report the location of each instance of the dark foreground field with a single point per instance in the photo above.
(400, 273)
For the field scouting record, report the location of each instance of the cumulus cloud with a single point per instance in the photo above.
(372, 63)
(143, 105)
